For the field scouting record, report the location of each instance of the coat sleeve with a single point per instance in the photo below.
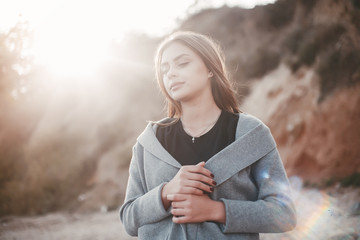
(140, 206)
(273, 211)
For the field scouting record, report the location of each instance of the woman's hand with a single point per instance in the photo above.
(191, 179)
(188, 208)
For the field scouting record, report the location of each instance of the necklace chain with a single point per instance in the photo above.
(203, 131)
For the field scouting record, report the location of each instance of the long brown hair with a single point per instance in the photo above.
(213, 57)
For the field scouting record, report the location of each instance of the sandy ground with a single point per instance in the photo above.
(62, 226)
(322, 214)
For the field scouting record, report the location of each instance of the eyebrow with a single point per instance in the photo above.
(176, 58)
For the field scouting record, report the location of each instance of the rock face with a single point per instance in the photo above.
(323, 34)
(317, 141)
(296, 66)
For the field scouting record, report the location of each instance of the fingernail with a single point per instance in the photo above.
(212, 175)
(213, 182)
(211, 189)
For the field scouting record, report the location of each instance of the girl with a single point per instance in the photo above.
(208, 171)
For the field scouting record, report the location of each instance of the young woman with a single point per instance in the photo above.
(208, 171)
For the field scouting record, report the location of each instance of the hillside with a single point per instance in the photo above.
(296, 65)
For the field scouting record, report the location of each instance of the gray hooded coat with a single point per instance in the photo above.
(251, 182)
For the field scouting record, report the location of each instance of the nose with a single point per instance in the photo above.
(171, 73)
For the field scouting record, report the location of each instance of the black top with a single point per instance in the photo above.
(180, 145)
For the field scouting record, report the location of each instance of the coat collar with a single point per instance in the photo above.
(253, 141)
(150, 142)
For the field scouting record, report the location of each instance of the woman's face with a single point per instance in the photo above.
(184, 73)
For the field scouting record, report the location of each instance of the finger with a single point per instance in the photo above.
(194, 173)
(191, 190)
(201, 164)
(178, 211)
(199, 185)
(180, 219)
(200, 169)
(176, 197)
(202, 178)
(176, 204)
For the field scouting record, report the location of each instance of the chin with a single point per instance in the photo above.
(176, 95)
(177, 98)
(181, 97)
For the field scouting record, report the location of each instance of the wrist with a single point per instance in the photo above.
(165, 201)
(218, 212)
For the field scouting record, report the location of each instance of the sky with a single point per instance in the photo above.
(120, 16)
(64, 27)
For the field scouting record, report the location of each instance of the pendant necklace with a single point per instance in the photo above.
(203, 131)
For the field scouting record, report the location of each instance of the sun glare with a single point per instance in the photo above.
(74, 41)
(72, 37)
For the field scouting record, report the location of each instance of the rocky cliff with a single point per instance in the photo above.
(297, 68)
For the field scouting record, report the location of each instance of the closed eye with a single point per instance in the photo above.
(183, 64)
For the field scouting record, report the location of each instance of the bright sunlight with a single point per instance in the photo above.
(72, 37)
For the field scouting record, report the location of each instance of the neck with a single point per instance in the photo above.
(198, 114)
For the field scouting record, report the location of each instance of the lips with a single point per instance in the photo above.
(175, 85)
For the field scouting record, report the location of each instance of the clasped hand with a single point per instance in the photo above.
(186, 194)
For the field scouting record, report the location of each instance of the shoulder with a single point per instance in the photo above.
(162, 122)
(254, 130)
(165, 120)
(248, 123)
(149, 133)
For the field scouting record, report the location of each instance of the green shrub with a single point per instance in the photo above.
(305, 43)
(329, 182)
(308, 5)
(277, 15)
(351, 180)
(338, 68)
(356, 3)
(260, 63)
